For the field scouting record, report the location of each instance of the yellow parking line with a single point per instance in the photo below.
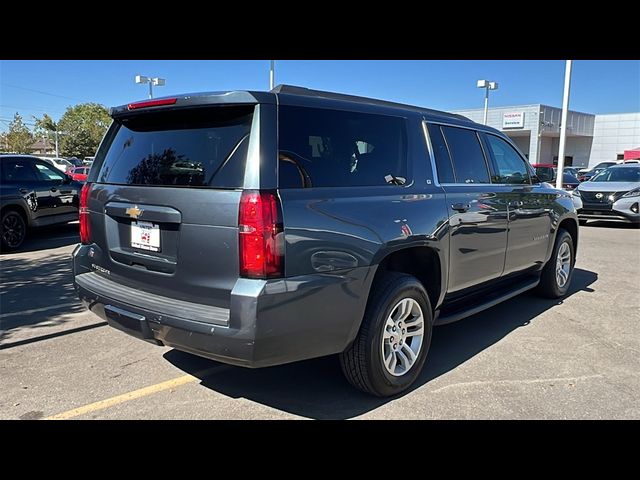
(142, 392)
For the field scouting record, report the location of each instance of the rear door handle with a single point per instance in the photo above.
(461, 207)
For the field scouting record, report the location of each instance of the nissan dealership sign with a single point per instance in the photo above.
(513, 120)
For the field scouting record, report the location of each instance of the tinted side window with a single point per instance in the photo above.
(47, 173)
(334, 148)
(441, 154)
(18, 170)
(509, 165)
(466, 152)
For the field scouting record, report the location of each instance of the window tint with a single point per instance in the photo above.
(18, 170)
(205, 147)
(509, 165)
(441, 154)
(46, 173)
(468, 160)
(332, 148)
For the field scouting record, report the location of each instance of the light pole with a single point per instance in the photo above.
(487, 85)
(563, 122)
(151, 81)
(272, 74)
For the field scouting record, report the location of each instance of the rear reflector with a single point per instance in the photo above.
(85, 227)
(260, 228)
(152, 103)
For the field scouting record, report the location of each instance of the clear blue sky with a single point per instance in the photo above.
(35, 87)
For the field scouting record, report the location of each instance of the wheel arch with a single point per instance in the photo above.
(18, 208)
(569, 224)
(426, 263)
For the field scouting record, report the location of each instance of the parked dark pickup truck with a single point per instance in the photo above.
(260, 228)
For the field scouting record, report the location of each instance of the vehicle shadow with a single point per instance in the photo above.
(316, 388)
(45, 238)
(28, 285)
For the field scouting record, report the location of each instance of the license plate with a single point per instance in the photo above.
(145, 235)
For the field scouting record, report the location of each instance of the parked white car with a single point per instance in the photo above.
(607, 164)
(60, 163)
(600, 165)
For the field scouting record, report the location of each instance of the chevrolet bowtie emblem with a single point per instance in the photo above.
(134, 212)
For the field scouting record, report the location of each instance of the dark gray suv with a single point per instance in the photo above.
(260, 228)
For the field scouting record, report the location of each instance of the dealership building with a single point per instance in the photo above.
(591, 139)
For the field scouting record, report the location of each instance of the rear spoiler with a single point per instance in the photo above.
(193, 100)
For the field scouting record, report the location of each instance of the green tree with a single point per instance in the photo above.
(44, 125)
(82, 128)
(4, 143)
(19, 137)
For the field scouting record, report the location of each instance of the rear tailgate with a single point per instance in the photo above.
(164, 201)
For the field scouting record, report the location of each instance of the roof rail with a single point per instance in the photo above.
(307, 92)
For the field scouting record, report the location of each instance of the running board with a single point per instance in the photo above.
(492, 301)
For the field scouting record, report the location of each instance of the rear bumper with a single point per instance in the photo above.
(269, 322)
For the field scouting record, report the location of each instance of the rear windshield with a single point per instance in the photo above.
(204, 147)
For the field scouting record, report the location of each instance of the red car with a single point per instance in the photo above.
(79, 174)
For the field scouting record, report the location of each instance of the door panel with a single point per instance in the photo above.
(478, 236)
(54, 192)
(529, 206)
(477, 209)
(529, 228)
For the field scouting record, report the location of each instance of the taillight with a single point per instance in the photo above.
(260, 235)
(85, 228)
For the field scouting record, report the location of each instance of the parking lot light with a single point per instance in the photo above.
(160, 82)
(487, 85)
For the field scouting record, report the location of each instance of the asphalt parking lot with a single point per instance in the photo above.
(527, 358)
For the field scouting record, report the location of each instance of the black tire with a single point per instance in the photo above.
(362, 362)
(582, 222)
(13, 230)
(548, 286)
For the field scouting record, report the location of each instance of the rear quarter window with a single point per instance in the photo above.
(200, 147)
(335, 148)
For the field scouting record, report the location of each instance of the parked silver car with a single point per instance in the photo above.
(612, 195)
